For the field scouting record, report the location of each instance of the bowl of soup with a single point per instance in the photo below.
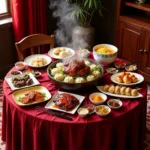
(105, 54)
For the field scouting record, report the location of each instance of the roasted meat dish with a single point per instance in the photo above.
(22, 81)
(32, 96)
(65, 101)
(76, 67)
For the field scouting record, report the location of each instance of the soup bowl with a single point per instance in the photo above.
(73, 86)
(105, 57)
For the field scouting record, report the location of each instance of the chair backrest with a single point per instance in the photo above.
(31, 41)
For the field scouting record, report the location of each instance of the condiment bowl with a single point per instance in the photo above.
(131, 67)
(83, 112)
(97, 98)
(15, 72)
(114, 103)
(102, 110)
(20, 65)
(84, 53)
(112, 70)
(105, 59)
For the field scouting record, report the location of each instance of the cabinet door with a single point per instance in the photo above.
(129, 41)
(145, 55)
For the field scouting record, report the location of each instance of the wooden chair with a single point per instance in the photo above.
(32, 41)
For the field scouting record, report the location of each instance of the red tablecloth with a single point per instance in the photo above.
(27, 128)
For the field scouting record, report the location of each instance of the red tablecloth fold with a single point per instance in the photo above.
(27, 128)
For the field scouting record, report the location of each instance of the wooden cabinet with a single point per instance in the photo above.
(144, 56)
(133, 31)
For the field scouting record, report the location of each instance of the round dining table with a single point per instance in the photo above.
(30, 128)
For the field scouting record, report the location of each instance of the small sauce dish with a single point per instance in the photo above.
(131, 67)
(120, 65)
(37, 74)
(83, 112)
(15, 72)
(84, 53)
(20, 65)
(114, 103)
(112, 70)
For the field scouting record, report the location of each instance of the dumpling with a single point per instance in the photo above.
(119, 79)
(59, 77)
(96, 73)
(87, 63)
(57, 51)
(128, 91)
(69, 79)
(68, 52)
(117, 89)
(90, 78)
(59, 65)
(134, 92)
(126, 79)
(62, 54)
(55, 71)
(122, 90)
(134, 79)
(111, 89)
(79, 80)
(93, 66)
(106, 87)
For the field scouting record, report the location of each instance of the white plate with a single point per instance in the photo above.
(50, 104)
(117, 95)
(139, 77)
(51, 53)
(20, 93)
(31, 57)
(9, 81)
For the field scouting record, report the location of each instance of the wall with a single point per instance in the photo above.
(104, 26)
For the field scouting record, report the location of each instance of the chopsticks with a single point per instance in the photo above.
(54, 113)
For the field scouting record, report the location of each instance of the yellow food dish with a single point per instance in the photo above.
(102, 110)
(97, 98)
(105, 50)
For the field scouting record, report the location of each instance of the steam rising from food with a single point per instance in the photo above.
(65, 24)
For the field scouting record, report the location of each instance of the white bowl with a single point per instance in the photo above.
(104, 97)
(131, 67)
(104, 107)
(84, 53)
(112, 70)
(20, 65)
(105, 59)
(83, 112)
(15, 72)
(111, 103)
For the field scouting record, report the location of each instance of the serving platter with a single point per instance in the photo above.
(17, 95)
(51, 104)
(100, 88)
(10, 78)
(29, 59)
(138, 76)
(51, 53)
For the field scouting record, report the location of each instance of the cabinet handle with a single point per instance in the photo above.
(145, 51)
(141, 50)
